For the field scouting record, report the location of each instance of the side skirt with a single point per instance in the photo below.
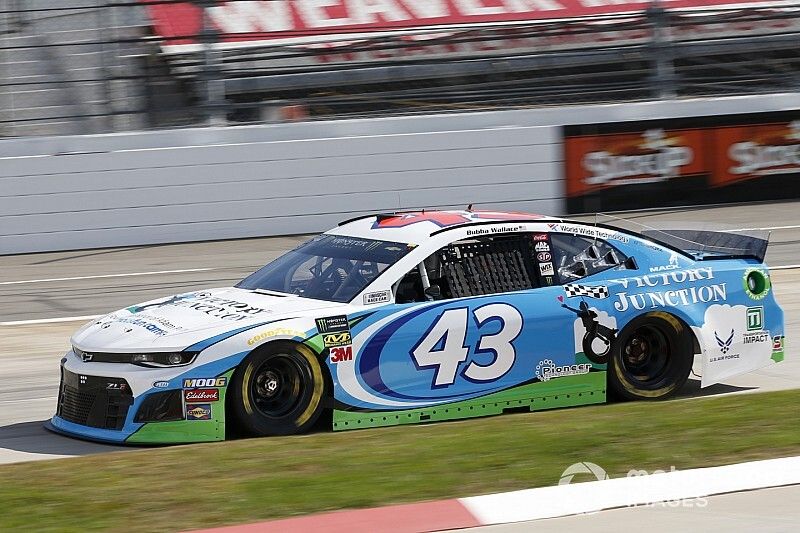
(568, 391)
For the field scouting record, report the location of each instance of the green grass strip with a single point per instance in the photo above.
(186, 487)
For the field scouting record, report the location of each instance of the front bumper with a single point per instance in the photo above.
(105, 402)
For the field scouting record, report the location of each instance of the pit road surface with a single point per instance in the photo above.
(44, 288)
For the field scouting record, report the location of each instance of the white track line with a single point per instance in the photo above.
(593, 496)
(767, 228)
(784, 267)
(99, 276)
(50, 320)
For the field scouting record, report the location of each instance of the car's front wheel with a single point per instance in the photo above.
(278, 390)
(651, 359)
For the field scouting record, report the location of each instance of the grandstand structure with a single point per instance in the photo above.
(93, 66)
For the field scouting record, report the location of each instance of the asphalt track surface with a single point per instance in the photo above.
(42, 294)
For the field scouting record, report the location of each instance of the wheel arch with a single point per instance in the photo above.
(682, 330)
(232, 425)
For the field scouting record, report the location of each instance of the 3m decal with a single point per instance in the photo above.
(198, 411)
(332, 324)
(443, 346)
(331, 340)
(201, 395)
(341, 353)
(197, 383)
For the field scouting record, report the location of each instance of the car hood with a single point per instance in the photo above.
(177, 322)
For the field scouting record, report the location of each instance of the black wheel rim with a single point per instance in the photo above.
(277, 386)
(646, 356)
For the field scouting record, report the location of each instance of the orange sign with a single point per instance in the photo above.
(601, 161)
(747, 152)
(722, 154)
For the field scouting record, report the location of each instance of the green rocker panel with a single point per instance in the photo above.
(565, 391)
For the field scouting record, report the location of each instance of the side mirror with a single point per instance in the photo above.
(434, 292)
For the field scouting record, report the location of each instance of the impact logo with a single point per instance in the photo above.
(547, 370)
(724, 345)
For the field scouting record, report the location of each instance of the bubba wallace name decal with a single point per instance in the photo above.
(702, 293)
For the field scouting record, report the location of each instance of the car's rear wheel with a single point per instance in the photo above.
(278, 390)
(651, 359)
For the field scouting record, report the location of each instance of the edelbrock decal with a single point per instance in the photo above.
(201, 395)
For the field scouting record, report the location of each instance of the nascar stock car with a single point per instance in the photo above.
(421, 316)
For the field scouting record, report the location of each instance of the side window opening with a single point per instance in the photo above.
(471, 267)
(576, 257)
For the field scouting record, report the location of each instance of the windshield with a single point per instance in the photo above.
(329, 267)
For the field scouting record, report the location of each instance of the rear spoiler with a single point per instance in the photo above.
(708, 245)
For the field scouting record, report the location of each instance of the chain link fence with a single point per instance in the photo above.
(94, 66)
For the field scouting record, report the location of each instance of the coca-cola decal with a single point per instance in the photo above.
(201, 395)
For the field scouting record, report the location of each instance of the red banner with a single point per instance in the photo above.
(249, 21)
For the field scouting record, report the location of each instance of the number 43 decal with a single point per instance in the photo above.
(449, 335)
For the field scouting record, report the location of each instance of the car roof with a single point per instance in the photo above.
(415, 226)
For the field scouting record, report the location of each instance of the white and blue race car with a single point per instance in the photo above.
(412, 317)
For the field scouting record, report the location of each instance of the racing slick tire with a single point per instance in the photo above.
(278, 390)
(651, 359)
